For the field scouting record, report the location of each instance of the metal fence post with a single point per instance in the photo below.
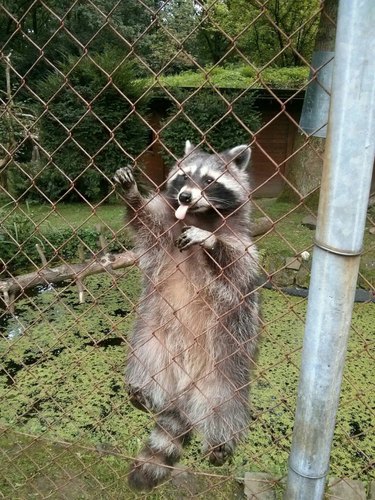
(343, 202)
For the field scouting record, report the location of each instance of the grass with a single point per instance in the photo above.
(74, 215)
(287, 239)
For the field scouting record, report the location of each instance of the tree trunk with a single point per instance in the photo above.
(304, 169)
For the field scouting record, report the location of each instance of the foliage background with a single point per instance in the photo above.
(81, 79)
(209, 118)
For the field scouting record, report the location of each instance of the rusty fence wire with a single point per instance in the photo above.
(87, 88)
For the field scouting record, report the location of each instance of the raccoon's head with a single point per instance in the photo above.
(201, 182)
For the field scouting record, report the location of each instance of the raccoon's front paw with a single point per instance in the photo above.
(191, 235)
(125, 178)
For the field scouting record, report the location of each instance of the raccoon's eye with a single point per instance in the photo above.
(208, 180)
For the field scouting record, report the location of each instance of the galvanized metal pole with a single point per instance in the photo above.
(346, 179)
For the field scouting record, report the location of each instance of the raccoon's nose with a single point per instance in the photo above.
(184, 197)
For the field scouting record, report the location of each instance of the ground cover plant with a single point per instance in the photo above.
(61, 376)
(237, 77)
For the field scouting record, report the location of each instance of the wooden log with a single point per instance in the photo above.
(67, 272)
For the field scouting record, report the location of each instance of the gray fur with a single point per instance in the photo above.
(196, 333)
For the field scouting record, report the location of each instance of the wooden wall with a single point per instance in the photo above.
(270, 150)
(273, 145)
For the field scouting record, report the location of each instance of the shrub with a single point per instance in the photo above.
(207, 110)
(77, 130)
(17, 241)
(248, 71)
(19, 235)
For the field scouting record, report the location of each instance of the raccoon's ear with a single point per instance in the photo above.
(240, 156)
(189, 147)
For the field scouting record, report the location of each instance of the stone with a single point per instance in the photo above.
(371, 493)
(305, 256)
(187, 484)
(346, 488)
(282, 278)
(303, 277)
(309, 221)
(292, 263)
(259, 486)
(372, 230)
(260, 226)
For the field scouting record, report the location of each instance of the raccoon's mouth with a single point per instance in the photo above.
(182, 210)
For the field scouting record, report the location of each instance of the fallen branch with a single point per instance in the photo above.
(66, 272)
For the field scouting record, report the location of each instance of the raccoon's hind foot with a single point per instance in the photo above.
(149, 470)
(125, 178)
(162, 451)
(220, 454)
(192, 235)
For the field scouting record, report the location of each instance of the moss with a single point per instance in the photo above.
(236, 77)
(62, 379)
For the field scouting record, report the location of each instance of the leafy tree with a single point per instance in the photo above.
(170, 45)
(91, 127)
(58, 29)
(277, 30)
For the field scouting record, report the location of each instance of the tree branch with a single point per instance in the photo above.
(66, 272)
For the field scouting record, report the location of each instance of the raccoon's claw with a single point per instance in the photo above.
(184, 241)
(124, 177)
(191, 235)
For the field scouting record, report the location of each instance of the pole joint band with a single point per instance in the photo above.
(308, 476)
(337, 251)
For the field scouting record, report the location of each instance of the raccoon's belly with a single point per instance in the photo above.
(182, 303)
(186, 328)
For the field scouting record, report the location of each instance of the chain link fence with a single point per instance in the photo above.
(89, 87)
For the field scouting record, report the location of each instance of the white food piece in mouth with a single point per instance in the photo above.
(180, 213)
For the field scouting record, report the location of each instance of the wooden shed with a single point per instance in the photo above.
(272, 146)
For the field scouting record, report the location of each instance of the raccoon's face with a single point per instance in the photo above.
(201, 182)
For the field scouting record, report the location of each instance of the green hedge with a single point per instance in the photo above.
(208, 112)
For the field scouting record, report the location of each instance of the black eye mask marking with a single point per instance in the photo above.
(221, 196)
(218, 195)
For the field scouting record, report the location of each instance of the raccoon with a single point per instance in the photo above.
(195, 336)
